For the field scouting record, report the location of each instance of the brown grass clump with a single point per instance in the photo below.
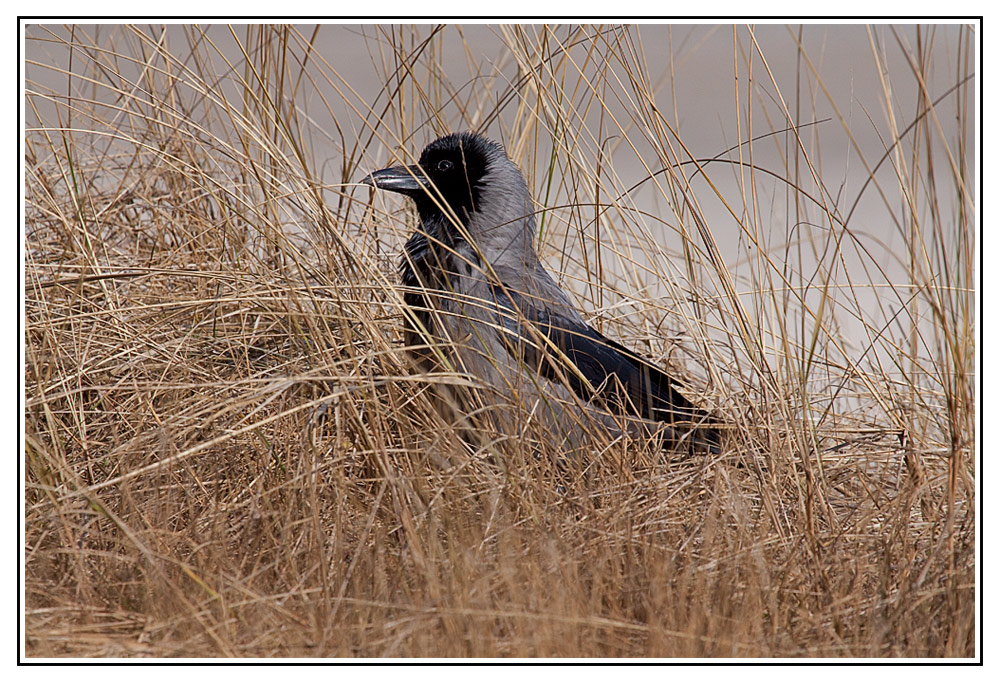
(226, 454)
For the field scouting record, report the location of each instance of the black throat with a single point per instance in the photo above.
(429, 269)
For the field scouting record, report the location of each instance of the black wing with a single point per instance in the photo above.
(623, 381)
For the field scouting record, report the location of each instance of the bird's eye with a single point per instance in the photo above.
(444, 165)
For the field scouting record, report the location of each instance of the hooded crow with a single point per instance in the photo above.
(480, 302)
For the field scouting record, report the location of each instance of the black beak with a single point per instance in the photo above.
(403, 179)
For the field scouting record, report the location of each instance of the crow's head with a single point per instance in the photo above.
(453, 178)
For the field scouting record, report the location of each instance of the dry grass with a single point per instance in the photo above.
(226, 454)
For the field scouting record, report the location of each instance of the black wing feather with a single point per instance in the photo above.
(624, 381)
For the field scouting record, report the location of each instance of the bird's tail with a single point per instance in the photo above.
(706, 438)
